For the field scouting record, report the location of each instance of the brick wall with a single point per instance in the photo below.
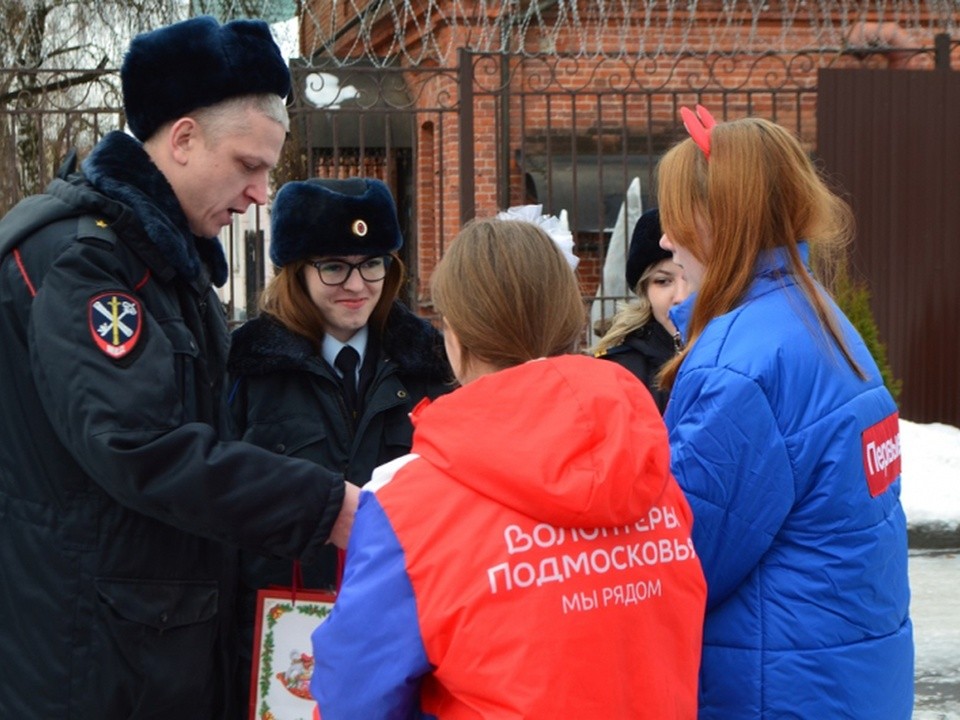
(590, 107)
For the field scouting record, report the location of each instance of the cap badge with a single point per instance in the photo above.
(359, 228)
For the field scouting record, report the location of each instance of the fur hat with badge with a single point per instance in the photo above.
(169, 72)
(645, 247)
(333, 218)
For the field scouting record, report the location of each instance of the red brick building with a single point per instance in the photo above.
(466, 109)
(574, 108)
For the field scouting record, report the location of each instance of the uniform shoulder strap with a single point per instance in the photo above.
(91, 227)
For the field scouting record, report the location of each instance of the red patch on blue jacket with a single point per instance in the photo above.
(881, 453)
(115, 325)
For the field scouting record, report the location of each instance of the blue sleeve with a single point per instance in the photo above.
(730, 458)
(369, 656)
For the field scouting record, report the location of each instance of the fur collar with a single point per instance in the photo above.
(120, 168)
(263, 345)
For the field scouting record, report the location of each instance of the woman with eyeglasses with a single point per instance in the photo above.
(334, 364)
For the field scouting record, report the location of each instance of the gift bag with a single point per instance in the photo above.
(283, 653)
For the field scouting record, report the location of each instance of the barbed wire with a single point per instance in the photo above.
(415, 33)
(432, 31)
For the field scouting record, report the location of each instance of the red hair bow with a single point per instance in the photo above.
(699, 124)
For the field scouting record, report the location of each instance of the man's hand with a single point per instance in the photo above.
(344, 524)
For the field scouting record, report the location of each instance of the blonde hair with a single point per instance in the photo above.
(286, 299)
(229, 115)
(758, 191)
(506, 291)
(633, 315)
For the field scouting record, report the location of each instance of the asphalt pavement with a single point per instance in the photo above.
(935, 608)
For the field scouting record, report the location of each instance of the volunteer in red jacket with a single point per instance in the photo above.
(531, 557)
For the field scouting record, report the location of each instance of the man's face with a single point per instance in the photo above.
(226, 172)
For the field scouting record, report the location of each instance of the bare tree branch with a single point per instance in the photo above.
(38, 90)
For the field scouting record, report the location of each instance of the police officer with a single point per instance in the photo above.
(122, 497)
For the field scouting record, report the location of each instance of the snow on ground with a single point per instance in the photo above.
(930, 484)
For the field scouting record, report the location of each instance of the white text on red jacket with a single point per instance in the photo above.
(559, 555)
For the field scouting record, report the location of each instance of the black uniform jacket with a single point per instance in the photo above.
(122, 500)
(643, 352)
(288, 399)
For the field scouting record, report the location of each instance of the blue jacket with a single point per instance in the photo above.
(790, 463)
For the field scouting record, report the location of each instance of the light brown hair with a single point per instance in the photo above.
(508, 294)
(286, 299)
(758, 191)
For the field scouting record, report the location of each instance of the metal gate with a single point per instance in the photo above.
(572, 133)
(580, 135)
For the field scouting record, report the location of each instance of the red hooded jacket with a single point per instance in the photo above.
(531, 559)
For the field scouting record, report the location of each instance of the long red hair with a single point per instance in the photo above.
(758, 191)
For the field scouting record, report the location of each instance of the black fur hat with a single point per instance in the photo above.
(645, 247)
(322, 218)
(170, 72)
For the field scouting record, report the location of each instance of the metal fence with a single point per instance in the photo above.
(452, 142)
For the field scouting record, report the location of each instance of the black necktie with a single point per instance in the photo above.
(346, 362)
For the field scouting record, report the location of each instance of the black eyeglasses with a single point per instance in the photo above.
(337, 272)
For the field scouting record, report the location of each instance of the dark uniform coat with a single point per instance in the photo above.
(288, 399)
(118, 492)
(643, 352)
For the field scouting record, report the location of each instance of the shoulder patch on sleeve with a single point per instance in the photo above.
(115, 323)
